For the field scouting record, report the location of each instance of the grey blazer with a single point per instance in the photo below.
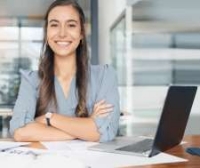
(102, 85)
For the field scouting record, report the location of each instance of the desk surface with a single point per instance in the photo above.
(179, 151)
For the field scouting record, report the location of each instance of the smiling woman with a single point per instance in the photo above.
(67, 98)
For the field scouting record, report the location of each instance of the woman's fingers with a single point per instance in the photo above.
(40, 119)
(104, 113)
(105, 110)
(99, 104)
(102, 109)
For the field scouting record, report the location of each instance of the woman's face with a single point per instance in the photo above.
(64, 30)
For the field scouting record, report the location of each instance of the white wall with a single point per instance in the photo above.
(109, 11)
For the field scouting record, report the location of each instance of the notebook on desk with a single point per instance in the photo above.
(170, 130)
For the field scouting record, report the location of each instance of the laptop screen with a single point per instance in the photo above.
(174, 117)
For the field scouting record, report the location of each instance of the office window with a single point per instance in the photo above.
(20, 48)
(165, 58)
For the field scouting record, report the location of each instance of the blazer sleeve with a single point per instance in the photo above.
(25, 105)
(108, 90)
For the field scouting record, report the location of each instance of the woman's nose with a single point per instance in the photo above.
(62, 32)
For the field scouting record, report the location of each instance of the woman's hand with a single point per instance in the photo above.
(101, 109)
(41, 119)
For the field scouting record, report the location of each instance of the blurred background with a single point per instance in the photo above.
(152, 44)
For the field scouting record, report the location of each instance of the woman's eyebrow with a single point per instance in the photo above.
(53, 20)
(68, 21)
(72, 20)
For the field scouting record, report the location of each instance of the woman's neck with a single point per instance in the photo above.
(65, 67)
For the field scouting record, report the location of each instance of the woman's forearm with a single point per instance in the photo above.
(82, 128)
(39, 132)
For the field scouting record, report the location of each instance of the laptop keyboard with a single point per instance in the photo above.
(138, 147)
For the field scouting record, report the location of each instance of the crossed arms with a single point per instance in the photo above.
(64, 127)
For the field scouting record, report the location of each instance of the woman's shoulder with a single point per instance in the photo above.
(31, 77)
(101, 73)
(101, 70)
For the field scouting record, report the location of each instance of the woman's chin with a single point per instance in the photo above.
(65, 54)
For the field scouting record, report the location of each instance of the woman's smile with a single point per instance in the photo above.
(63, 44)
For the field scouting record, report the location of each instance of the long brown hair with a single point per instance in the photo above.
(47, 96)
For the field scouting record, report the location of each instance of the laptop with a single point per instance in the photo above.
(170, 130)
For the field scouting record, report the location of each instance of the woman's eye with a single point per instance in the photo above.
(72, 25)
(53, 25)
